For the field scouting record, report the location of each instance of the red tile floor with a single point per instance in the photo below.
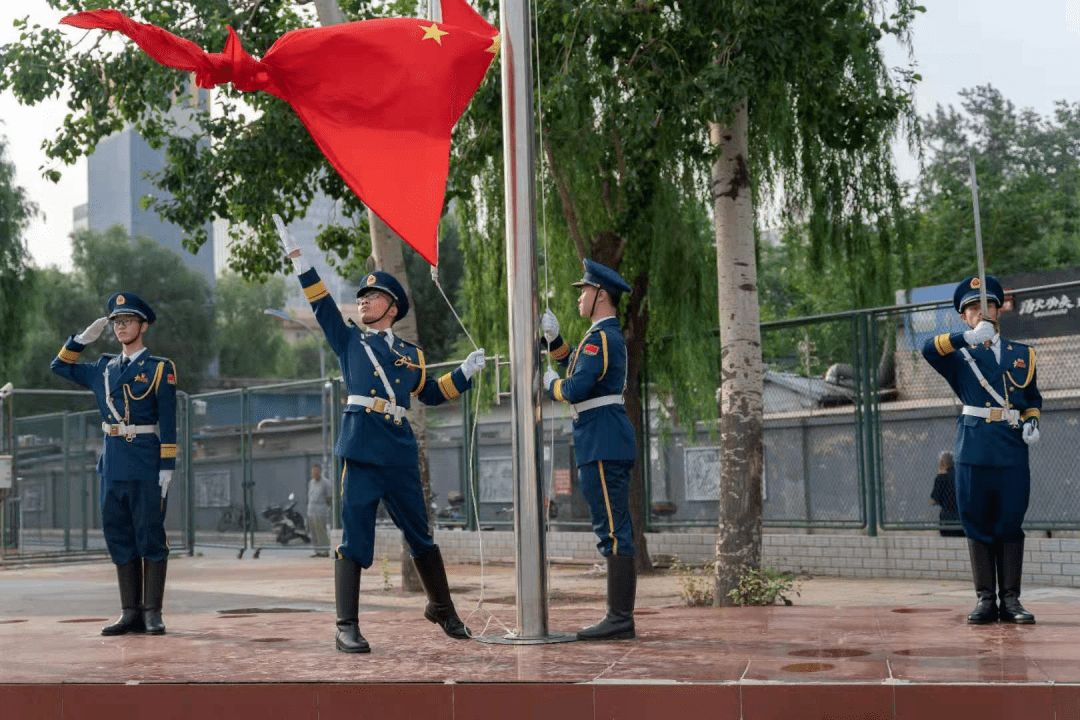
(838, 661)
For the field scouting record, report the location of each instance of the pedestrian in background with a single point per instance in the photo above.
(944, 496)
(319, 501)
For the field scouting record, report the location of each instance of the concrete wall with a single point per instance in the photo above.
(1047, 561)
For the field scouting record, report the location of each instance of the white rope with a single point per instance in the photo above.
(435, 279)
(487, 615)
(543, 156)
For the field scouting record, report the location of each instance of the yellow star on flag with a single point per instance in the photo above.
(433, 33)
(496, 43)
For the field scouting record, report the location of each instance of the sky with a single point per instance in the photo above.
(1029, 51)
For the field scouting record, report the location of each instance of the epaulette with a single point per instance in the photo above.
(408, 343)
(110, 356)
(158, 358)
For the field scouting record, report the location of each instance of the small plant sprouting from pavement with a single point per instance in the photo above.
(764, 587)
(386, 572)
(756, 587)
(696, 583)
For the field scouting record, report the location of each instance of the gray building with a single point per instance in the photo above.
(118, 177)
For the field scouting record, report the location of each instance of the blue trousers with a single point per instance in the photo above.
(992, 501)
(606, 486)
(133, 520)
(400, 490)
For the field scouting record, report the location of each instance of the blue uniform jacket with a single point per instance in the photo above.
(597, 367)
(979, 442)
(366, 436)
(144, 394)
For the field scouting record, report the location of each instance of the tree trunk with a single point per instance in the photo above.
(386, 250)
(738, 537)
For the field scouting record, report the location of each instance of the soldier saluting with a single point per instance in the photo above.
(995, 379)
(136, 394)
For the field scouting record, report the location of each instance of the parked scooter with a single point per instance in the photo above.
(287, 522)
(453, 515)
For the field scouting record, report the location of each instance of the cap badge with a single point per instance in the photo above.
(975, 283)
(120, 300)
(370, 279)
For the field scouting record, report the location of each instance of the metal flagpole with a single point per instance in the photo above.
(978, 239)
(526, 397)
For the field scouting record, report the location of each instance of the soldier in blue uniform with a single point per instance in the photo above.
(381, 373)
(136, 394)
(604, 444)
(995, 379)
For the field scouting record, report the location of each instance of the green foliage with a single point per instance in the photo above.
(764, 587)
(1029, 197)
(439, 333)
(1029, 189)
(17, 278)
(387, 574)
(695, 584)
(233, 165)
(250, 343)
(110, 262)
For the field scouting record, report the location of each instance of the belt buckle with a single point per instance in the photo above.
(114, 431)
(996, 415)
(380, 405)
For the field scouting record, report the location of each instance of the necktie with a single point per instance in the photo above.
(124, 361)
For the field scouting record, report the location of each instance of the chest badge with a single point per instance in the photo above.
(141, 377)
(590, 349)
(1019, 363)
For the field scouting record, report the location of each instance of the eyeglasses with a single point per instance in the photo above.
(123, 322)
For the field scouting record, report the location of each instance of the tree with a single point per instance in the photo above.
(622, 183)
(249, 342)
(16, 276)
(801, 97)
(1029, 189)
(111, 262)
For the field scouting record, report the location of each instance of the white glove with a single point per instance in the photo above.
(473, 364)
(550, 325)
(290, 246)
(550, 376)
(164, 477)
(1031, 432)
(983, 332)
(92, 332)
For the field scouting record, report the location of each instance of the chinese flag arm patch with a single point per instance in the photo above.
(590, 349)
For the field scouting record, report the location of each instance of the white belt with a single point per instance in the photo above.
(994, 414)
(601, 401)
(379, 405)
(128, 431)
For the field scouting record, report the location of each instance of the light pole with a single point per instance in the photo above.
(318, 338)
(327, 472)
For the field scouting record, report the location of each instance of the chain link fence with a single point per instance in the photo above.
(855, 420)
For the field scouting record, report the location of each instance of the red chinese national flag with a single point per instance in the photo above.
(379, 97)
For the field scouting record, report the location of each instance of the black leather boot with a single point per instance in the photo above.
(129, 577)
(618, 624)
(153, 593)
(982, 570)
(1010, 569)
(440, 608)
(347, 597)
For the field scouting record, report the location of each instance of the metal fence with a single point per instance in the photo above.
(854, 422)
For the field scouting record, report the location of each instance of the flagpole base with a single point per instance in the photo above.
(511, 639)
